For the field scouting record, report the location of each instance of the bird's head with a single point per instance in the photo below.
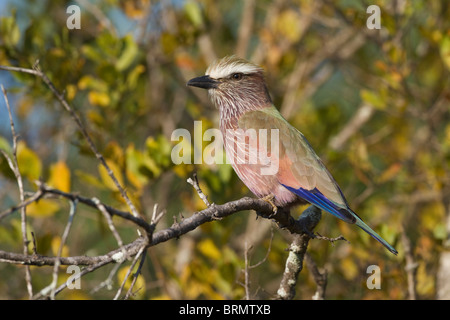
(234, 85)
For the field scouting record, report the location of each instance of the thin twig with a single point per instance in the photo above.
(135, 276)
(23, 215)
(318, 236)
(140, 252)
(248, 266)
(267, 253)
(108, 218)
(34, 198)
(73, 207)
(108, 282)
(195, 184)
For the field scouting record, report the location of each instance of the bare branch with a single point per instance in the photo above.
(297, 250)
(108, 218)
(140, 252)
(195, 184)
(73, 205)
(23, 215)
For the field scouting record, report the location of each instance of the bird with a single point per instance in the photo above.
(237, 88)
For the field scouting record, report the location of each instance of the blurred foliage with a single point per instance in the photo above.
(125, 71)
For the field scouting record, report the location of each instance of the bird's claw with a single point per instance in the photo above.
(269, 199)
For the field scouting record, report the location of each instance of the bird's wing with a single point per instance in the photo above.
(300, 169)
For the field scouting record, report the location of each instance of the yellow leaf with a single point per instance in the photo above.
(71, 92)
(43, 208)
(209, 249)
(55, 244)
(30, 165)
(99, 98)
(107, 181)
(59, 176)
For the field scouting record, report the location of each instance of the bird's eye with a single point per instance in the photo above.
(237, 76)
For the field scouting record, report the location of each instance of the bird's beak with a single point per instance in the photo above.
(205, 82)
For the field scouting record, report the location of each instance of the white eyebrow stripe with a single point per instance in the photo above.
(229, 65)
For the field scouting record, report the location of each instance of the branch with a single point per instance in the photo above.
(195, 184)
(212, 213)
(297, 250)
(14, 165)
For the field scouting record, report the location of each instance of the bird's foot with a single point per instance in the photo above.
(269, 199)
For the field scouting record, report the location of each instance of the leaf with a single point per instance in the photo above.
(10, 31)
(133, 76)
(445, 51)
(98, 98)
(194, 13)
(209, 249)
(134, 162)
(30, 165)
(90, 82)
(55, 244)
(44, 208)
(373, 99)
(5, 146)
(71, 90)
(129, 53)
(59, 176)
(106, 179)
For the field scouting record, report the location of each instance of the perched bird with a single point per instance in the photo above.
(238, 89)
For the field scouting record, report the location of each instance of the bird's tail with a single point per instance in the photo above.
(375, 235)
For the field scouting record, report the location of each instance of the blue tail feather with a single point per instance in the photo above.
(316, 198)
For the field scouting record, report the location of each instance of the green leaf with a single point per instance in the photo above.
(128, 55)
(373, 98)
(5, 146)
(194, 13)
(9, 31)
(445, 51)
